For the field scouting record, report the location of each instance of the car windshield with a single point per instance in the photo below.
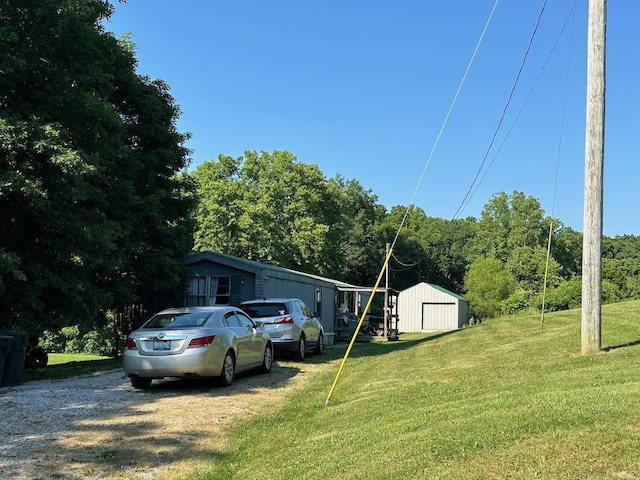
(263, 310)
(178, 320)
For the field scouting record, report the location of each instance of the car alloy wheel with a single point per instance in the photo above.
(302, 348)
(228, 370)
(267, 362)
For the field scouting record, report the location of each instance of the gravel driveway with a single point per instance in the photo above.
(98, 426)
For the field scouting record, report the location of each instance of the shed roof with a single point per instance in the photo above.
(441, 289)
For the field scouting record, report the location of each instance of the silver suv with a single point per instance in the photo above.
(290, 324)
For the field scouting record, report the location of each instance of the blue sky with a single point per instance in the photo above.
(362, 88)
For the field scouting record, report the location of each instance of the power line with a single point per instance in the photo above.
(464, 203)
(444, 123)
(404, 264)
(504, 111)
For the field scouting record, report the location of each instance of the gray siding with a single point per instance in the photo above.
(251, 280)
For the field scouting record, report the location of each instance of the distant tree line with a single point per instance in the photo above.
(96, 203)
(270, 206)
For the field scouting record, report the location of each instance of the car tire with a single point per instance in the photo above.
(140, 382)
(267, 359)
(228, 370)
(302, 348)
(319, 346)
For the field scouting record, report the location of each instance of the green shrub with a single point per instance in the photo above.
(567, 295)
(610, 292)
(99, 341)
(519, 301)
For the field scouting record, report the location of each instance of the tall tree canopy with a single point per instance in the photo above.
(508, 222)
(92, 210)
(268, 206)
(361, 242)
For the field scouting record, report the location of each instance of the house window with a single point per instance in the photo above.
(221, 291)
(204, 291)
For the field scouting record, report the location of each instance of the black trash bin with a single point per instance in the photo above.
(14, 359)
(5, 347)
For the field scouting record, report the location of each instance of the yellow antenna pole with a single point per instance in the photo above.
(355, 334)
(546, 274)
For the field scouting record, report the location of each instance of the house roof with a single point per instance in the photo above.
(256, 267)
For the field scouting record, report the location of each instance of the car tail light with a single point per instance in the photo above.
(287, 319)
(130, 344)
(201, 341)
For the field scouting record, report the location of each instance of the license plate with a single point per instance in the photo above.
(162, 344)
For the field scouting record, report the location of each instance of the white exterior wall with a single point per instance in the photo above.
(424, 308)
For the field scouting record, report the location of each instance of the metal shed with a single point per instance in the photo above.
(428, 308)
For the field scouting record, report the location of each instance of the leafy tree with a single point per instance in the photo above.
(621, 264)
(410, 263)
(622, 246)
(508, 222)
(610, 292)
(268, 206)
(566, 249)
(565, 296)
(487, 285)
(361, 245)
(91, 209)
(428, 249)
(449, 247)
(528, 267)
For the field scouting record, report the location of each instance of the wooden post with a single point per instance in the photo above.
(385, 310)
(593, 190)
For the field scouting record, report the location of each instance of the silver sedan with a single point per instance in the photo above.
(217, 341)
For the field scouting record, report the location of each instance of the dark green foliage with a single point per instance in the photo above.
(99, 341)
(270, 206)
(91, 210)
(96, 206)
(488, 285)
(361, 245)
(621, 264)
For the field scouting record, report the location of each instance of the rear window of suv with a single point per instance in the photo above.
(262, 310)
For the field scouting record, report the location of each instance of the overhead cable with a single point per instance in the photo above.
(465, 202)
(444, 123)
(504, 111)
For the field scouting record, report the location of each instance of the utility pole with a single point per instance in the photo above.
(593, 189)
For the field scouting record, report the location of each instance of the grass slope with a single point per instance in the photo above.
(505, 399)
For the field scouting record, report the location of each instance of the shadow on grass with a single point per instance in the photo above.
(375, 348)
(71, 369)
(623, 345)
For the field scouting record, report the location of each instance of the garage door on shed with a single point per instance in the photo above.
(438, 315)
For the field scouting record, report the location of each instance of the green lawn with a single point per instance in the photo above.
(506, 399)
(62, 365)
(503, 400)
